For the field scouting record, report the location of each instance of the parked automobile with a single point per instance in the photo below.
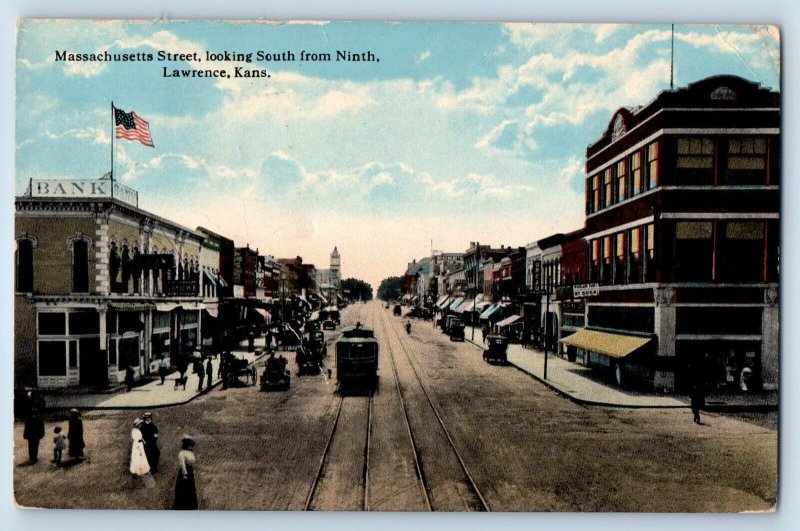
(456, 330)
(397, 309)
(497, 349)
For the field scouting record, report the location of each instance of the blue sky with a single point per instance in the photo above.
(461, 132)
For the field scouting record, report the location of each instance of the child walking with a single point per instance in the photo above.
(59, 445)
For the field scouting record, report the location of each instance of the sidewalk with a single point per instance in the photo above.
(150, 395)
(584, 385)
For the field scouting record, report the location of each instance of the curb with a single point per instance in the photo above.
(205, 390)
(716, 408)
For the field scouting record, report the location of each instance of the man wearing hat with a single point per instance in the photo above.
(150, 439)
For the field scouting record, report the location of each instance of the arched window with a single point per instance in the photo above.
(114, 267)
(25, 266)
(80, 266)
(126, 268)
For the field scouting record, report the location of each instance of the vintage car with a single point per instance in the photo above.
(397, 309)
(496, 350)
(456, 330)
(329, 324)
(275, 376)
(420, 313)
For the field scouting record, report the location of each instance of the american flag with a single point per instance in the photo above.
(131, 127)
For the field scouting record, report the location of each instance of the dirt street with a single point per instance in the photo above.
(526, 447)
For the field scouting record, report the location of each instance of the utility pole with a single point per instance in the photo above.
(475, 296)
(546, 328)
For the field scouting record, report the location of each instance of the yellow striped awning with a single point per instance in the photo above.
(612, 345)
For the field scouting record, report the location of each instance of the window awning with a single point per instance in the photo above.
(455, 304)
(221, 282)
(612, 345)
(508, 321)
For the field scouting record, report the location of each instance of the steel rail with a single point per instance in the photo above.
(484, 506)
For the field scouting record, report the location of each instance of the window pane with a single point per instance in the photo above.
(25, 266)
(73, 354)
(81, 323)
(52, 358)
(80, 267)
(52, 324)
(693, 230)
(747, 230)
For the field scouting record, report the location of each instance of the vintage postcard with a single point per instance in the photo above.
(396, 266)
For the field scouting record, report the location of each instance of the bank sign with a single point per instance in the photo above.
(75, 188)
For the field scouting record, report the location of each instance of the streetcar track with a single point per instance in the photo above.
(482, 505)
(324, 460)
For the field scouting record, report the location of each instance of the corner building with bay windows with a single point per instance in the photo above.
(100, 285)
(682, 233)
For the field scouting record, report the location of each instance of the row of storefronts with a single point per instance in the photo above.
(102, 286)
(673, 279)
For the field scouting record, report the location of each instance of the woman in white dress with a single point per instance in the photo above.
(139, 465)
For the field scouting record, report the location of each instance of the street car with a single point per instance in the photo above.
(456, 330)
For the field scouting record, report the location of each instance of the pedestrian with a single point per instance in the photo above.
(185, 489)
(163, 367)
(150, 439)
(33, 433)
(128, 378)
(139, 466)
(698, 400)
(201, 374)
(484, 332)
(59, 445)
(209, 373)
(75, 435)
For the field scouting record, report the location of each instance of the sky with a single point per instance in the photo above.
(459, 133)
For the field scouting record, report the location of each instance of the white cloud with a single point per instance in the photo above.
(96, 134)
(424, 56)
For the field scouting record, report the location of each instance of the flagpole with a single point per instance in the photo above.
(112, 150)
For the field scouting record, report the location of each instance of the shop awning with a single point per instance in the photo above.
(508, 321)
(455, 304)
(466, 306)
(443, 304)
(481, 306)
(265, 314)
(211, 278)
(131, 306)
(322, 297)
(168, 306)
(612, 345)
(222, 282)
(441, 300)
(490, 311)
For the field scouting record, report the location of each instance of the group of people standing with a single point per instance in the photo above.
(34, 431)
(145, 457)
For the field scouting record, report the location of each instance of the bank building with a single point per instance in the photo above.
(100, 285)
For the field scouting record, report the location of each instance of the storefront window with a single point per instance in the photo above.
(693, 250)
(747, 161)
(84, 323)
(695, 161)
(52, 324)
(128, 352)
(52, 358)
(73, 354)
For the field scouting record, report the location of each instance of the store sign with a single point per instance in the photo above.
(580, 291)
(74, 188)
